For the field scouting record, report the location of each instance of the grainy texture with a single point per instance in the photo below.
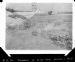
(39, 32)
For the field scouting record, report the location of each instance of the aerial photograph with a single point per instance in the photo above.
(38, 26)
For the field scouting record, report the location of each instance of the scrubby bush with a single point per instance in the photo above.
(50, 12)
(69, 45)
(35, 33)
(27, 25)
(60, 38)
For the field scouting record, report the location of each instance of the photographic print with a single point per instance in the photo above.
(38, 26)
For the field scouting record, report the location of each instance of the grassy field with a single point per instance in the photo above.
(38, 40)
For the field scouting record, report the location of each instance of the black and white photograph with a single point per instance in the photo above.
(38, 26)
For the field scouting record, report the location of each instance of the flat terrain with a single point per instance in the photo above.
(23, 39)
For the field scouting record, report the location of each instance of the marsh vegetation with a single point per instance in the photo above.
(41, 31)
